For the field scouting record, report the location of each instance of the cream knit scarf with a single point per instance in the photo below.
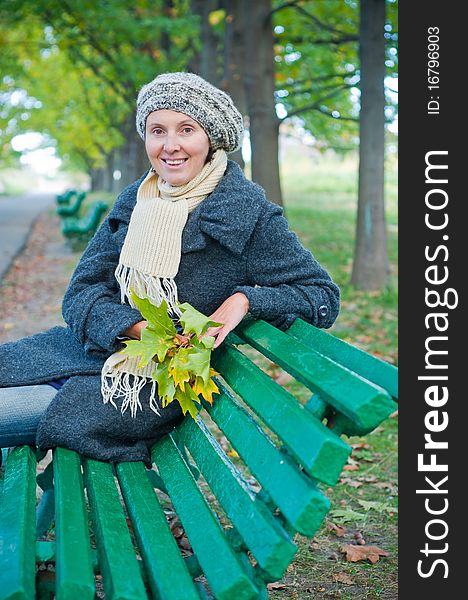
(148, 263)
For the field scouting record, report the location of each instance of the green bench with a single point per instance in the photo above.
(65, 198)
(71, 210)
(242, 481)
(79, 230)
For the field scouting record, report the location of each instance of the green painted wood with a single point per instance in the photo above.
(68, 210)
(370, 367)
(45, 551)
(266, 539)
(119, 566)
(303, 505)
(18, 526)
(321, 453)
(362, 401)
(168, 576)
(74, 570)
(225, 575)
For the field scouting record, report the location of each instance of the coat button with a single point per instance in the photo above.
(323, 310)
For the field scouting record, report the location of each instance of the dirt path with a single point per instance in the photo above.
(32, 290)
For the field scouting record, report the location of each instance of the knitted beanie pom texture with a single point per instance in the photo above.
(192, 95)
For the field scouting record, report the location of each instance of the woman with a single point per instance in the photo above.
(192, 229)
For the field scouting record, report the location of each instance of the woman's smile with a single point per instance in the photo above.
(177, 146)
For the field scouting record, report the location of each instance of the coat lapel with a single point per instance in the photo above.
(228, 215)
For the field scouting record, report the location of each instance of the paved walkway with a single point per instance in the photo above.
(17, 215)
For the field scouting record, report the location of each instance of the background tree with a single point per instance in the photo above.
(113, 49)
(370, 267)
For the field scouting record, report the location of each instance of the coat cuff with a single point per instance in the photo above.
(106, 322)
(268, 304)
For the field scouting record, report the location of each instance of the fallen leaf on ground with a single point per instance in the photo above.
(343, 578)
(352, 465)
(385, 485)
(356, 553)
(351, 482)
(380, 507)
(338, 530)
(360, 446)
(368, 478)
(276, 585)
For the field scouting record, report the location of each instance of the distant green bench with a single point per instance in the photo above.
(65, 197)
(71, 210)
(242, 540)
(79, 230)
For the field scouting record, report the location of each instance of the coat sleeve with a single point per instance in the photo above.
(91, 306)
(285, 280)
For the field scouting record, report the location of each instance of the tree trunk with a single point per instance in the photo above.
(370, 268)
(133, 159)
(232, 82)
(259, 91)
(207, 59)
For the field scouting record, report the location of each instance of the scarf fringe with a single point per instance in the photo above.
(156, 289)
(119, 384)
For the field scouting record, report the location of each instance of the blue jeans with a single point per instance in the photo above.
(20, 411)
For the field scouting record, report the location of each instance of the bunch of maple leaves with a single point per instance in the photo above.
(181, 358)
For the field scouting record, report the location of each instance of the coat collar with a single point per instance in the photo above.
(228, 215)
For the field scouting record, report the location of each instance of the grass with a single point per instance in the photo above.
(321, 206)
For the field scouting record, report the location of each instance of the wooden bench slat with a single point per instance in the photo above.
(18, 526)
(370, 367)
(360, 400)
(303, 505)
(164, 565)
(74, 570)
(119, 566)
(321, 452)
(269, 544)
(222, 569)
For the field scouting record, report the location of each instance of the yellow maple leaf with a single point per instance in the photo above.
(206, 390)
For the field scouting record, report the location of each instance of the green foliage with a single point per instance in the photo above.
(182, 360)
(80, 65)
(317, 66)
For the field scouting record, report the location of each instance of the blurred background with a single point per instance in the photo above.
(317, 83)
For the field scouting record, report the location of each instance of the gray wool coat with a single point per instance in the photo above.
(235, 240)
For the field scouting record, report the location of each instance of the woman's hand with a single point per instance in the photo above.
(134, 331)
(230, 314)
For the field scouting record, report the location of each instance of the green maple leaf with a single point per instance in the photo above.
(195, 321)
(166, 385)
(152, 343)
(189, 362)
(199, 362)
(179, 367)
(156, 316)
(205, 341)
(188, 400)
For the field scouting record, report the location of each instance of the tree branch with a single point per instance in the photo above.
(319, 109)
(343, 40)
(281, 7)
(320, 24)
(86, 33)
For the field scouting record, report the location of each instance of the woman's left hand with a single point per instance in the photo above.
(230, 314)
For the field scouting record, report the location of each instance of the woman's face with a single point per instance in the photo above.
(177, 146)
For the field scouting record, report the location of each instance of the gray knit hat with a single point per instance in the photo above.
(188, 93)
